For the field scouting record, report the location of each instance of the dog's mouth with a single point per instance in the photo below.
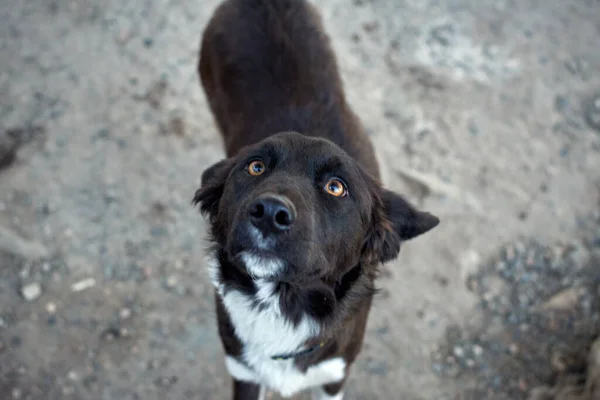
(261, 264)
(255, 253)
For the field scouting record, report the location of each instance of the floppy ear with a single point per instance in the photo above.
(395, 220)
(211, 189)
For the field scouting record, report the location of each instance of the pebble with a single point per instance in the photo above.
(83, 285)
(458, 351)
(565, 300)
(125, 313)
(171, 282)
(51, 308)
(31, 291)
(16, 393)
(148, 42)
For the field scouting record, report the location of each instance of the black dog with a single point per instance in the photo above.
(298, 218)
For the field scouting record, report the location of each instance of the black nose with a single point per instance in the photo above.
(272, 214)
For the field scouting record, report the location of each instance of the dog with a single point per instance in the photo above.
(299, 222)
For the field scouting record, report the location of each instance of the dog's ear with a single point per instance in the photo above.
(211, 187)
(395, 220)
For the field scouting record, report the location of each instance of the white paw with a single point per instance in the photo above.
(334, 369)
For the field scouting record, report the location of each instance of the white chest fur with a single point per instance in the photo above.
(286, 379)
(265, 332)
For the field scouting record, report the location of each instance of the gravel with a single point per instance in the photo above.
(541, 308)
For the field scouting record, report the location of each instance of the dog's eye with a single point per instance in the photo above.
(336, 187)
(256, 168)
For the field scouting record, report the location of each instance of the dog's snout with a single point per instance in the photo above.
(272, 214)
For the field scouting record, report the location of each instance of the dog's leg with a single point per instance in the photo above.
(247, 391)
(332, 391)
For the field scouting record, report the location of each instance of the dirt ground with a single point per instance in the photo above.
(486, 113)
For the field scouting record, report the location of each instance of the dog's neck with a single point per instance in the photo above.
(318, 299)
(302, 316)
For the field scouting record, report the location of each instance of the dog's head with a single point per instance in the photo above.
(294, 208)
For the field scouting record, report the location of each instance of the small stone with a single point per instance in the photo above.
(83, 285)
(51, 308)
(125, 313)
(477, 350)
(458, 351)
(470, 363)
(31, 291)
(513, 349)
(148, 42)
(16, 393)
(171, 282)
(72, 375)
(565, 300)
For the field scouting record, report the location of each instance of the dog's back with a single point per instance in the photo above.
(267, 66)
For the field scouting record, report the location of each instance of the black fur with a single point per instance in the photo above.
(272, 83)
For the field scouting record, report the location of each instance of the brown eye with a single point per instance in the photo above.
(256, 168)
(336, 187)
